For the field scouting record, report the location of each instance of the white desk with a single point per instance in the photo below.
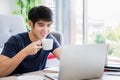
(41, 73)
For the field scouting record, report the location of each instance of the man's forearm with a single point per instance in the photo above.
(9, 65)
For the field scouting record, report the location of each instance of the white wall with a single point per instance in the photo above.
(7, 6)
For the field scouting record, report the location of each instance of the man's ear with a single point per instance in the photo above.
(30, 23)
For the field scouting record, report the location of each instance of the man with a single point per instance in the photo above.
(23, 52)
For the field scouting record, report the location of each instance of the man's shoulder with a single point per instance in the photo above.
(18, 36)
(50, 36)
(22, 34)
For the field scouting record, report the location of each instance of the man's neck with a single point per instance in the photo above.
(32, 36)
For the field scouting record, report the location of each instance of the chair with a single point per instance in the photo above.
(58, 36)
(10, 25)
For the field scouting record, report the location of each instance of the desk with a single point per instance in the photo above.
(41, 73)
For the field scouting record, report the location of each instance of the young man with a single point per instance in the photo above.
(23, 52)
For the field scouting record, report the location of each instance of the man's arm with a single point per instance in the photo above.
(8, 65)
(56, 52)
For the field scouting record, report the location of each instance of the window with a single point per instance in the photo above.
(52, 5)
(104, 25)
(90, 21)
(79, 21)
(98, 21)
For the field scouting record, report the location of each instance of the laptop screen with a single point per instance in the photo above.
(82, 61)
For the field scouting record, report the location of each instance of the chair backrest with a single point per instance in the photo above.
(58, 36)
(10, 25)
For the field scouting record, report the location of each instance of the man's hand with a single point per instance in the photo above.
(32, 48)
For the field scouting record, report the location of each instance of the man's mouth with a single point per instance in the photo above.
(43, 34)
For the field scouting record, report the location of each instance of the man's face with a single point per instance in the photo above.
(41, 29)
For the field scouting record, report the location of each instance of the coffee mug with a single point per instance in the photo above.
(47, 44)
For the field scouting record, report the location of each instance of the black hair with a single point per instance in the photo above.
(40, 13)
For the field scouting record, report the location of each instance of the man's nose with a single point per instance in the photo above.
(45, 29)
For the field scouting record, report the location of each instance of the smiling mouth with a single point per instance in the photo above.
(43, 34)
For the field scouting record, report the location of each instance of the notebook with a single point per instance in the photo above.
(82, 62)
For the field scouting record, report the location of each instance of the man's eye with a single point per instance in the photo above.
(48, 25)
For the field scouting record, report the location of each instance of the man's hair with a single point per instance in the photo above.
(40, 13)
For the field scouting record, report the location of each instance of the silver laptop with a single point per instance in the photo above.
(81, 62)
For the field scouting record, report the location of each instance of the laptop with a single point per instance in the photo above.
(82, 62)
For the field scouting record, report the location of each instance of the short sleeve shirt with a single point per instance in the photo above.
(31, 62)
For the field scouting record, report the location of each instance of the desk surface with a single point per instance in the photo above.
(106, 76)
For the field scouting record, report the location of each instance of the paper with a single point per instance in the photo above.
(30, 77)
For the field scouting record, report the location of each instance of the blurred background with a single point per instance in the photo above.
(80, 21)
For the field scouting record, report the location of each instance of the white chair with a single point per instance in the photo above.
(10, 25)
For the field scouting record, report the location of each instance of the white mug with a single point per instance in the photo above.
(47, 44)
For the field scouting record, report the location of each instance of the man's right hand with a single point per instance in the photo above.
(32, 48)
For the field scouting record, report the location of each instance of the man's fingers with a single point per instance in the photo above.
(37, 43)
(39, 47)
